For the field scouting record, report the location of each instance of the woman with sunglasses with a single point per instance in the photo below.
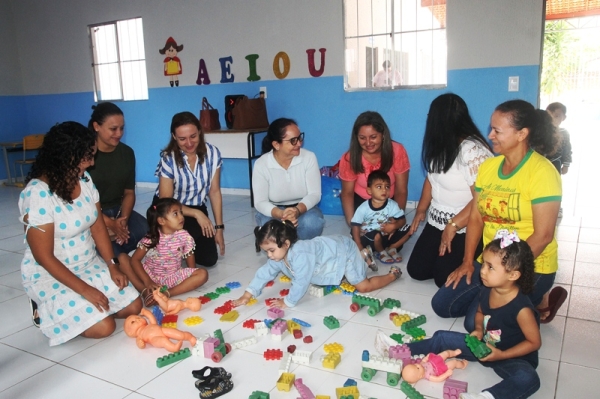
(286, 181)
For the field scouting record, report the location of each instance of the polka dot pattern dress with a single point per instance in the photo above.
(65, 314)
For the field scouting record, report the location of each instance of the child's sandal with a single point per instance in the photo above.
(384, 257)
(396, 272)
(367, 254)
(214, 387)
(395, 254)
(212, 372)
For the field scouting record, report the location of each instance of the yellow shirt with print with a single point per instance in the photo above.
(505, 201)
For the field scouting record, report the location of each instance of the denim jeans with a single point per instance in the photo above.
(310, 223)
(519, 378)
(464, 299)
(138, 228)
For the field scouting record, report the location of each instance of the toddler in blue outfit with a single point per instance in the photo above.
(322, 260)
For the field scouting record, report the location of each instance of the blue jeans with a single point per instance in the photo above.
(310, 223)
(138, 228)
(464, 300)
(519, 378)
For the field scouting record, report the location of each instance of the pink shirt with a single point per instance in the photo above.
(400, 165)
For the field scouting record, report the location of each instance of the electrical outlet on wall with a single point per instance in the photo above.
(264, 91)
(513, 83)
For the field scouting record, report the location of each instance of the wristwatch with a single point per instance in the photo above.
(451, 223)
(115, 261)
(219, 226)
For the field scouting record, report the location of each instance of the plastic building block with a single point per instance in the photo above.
(204, 299)
(350, 383)
(170, 319)
(331, 360)
(230, 316)
(453, 388)
(347, 287)
(269, 301)
(391, 303)
(285, 363)
(365, 356)
(300, 322)
(292, 325)
(284, 279)
(301, 357)
(291, 349)
(240, 343)
(223, 290)
(158, 314)
(308, 339)
(284, 292)
(392, 315)
(268, 322)
(297, 334)
(252, 301)
(212, 295)
(169, 325)
(316, 290)
(375, 363)
(400, 319)
(192, 321)
(404, 311)
(250, 323)
(259, 395)
(410, 392)
(399, 352)
(416, 332)
(273, 354)
(412, 323)
(233, 285)
(198, 349)
(347, 392)
(331, 322)
(279, 327)
(270, 283)
(275, 313)
(260, 328)
(479, 349)
(397, 337)
(164, 289)
(303, 390)
(322, 397)
(173, 357)
(333, 348)
(227, 306)
(374, 304)
(285, 382)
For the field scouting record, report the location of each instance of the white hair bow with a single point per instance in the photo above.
(506, 237)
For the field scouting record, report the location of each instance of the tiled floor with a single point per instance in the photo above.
(116, 368)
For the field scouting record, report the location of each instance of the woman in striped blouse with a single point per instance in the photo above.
(189, 171)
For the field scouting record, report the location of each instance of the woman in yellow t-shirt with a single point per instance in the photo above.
(517, 190)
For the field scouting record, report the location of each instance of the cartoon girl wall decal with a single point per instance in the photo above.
(171, 62)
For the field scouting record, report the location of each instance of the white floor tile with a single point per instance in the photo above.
(588, 252)
(577, 382)
(590, 236)
(584, 303)
(587, 274)
(579, 344)
(19, 365)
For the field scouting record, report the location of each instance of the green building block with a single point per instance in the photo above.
(410, 392)
(173, 357)
(417, 321)
(259, 395)
(397, 337)
(391, 303)
(479, 348)
(223, 290)
(218, 334)
(212, 295)
(415, 332)
(331, 322)
(373, 303)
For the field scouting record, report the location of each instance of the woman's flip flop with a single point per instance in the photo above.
(557, 297)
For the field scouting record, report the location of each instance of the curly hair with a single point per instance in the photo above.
(376, 121)
(160, 208)
(65, 146)
(275, 231)
(182, 119)
(516, 257)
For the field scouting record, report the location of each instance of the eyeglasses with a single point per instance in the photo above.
(295, 140)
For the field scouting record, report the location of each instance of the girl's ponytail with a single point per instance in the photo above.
(276, 231)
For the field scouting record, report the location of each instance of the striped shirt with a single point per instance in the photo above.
(190, 186)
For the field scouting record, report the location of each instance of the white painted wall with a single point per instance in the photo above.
(10, 71)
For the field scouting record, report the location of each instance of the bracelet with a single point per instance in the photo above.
(219, 226)
(451, 223)
(298, 209)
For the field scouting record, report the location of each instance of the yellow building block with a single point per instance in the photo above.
(333, 348)
(400, 319)
(192, 321)
(284, 279)
(346, 286)
(252, 301)
(322, 397)
(346, 391)
(332, 360)
(170, 325)
(285, 382)
(292, 325)
(230, 316)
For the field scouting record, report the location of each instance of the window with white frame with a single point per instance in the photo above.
(391, 44)
(119, 60)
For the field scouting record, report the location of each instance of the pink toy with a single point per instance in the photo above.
(434, 367)
(275, 313)
(453, 388)
(174, 306)
(399, 352)
(145, 331)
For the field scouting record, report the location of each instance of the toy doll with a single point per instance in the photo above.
(434, 367)
(171, 62)
(145, 330)
(173, 306)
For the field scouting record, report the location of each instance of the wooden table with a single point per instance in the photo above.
(10, 146)
(231, 144)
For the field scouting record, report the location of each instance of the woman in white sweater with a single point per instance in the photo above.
(286, 181)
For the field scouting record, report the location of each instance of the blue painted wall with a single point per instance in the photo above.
(323, 110)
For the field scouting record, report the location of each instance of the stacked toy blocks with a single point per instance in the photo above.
(347, 393)
(358, 301)
(170, 321)
(372, 364)
(479, 349)
(412, 323)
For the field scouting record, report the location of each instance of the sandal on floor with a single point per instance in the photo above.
(367, 254)
(557, 297)
(393, 252)
(384, 257)
(214, 387)
(212, 372)
(395, 270)
(34, 313)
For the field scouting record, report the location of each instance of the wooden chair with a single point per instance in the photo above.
(30, 143)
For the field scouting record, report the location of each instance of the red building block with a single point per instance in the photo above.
(297, 334)
(273, 354)
(291, 348)
(269, 301)
(250, 323)
(284, 292)
(308, 339)
(170, 319)
(270, 283)
(226, 308)
(204, 299)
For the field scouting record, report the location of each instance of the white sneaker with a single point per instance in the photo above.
(482, 395)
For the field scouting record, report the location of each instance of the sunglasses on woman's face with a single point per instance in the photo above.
(295, 140)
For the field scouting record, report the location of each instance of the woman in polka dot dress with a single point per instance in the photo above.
(75, 291)
(157, 260)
